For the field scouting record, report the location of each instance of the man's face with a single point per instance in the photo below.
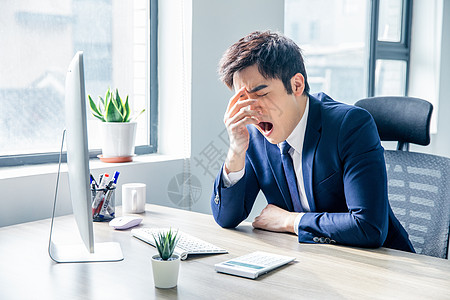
(280, 112)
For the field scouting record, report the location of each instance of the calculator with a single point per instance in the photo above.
(252, 265)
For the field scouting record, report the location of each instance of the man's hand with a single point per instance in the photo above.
(274, 218)
(238, 115)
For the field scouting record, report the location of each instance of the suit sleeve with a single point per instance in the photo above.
(365, 189)
(230, 206)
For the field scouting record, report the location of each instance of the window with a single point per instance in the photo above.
(390, 20)
(390, 77)
(390, 47)
(38, 40)
(333, 37)
(353, 48)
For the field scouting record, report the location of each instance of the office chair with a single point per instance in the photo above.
(418, 183)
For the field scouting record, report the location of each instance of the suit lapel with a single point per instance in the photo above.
(274, 157)
(312, 137)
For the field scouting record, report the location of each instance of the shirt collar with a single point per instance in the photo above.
(295, 139)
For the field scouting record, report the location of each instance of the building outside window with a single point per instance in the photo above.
(38, 40)
(343, 56)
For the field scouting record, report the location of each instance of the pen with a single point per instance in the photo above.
(116, 176)
(103, 180)
(93, 180)
(93, 190)
(100, 193)
(107, 205)
(111, 211)
(103, 202)
(110, 190)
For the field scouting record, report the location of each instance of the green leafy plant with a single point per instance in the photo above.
(112, 108)
(166, 243)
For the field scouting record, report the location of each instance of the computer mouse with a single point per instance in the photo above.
(125, 222)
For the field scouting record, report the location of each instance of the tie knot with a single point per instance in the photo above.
(284, 147)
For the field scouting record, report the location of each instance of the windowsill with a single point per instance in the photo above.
(94, 164)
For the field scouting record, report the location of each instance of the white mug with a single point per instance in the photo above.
(133, 198)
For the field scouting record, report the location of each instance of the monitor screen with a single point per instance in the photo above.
(79, 177)
(77, 149)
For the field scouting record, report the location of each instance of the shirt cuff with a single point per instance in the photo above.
(297, 222)
(231, 178)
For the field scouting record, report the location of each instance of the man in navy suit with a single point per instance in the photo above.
(318, 162)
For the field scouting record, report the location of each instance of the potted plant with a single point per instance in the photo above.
(118, 128)
(165, 264)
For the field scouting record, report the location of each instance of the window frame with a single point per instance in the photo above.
(53, 157)
(389, 50)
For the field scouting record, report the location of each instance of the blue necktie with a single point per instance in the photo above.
(291, 179)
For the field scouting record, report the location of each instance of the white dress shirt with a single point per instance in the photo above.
(295, 139)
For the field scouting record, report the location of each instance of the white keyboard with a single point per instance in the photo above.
(187, 244)
(254, 264)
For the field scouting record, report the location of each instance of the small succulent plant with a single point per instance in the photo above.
(112, 108)
(166, 243)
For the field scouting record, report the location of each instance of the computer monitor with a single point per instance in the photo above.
(78, 171)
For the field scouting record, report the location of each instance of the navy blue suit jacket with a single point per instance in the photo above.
(344, 174)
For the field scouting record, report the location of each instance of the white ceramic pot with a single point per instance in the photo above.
(118, 139)
(165, 272)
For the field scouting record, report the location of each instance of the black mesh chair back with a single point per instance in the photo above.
(418, 183)
(419, 194)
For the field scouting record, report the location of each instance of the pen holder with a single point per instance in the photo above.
(103, 203)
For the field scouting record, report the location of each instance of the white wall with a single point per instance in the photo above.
(174, 69)
(426, 53)
(441, 142)
(216, 25)
(430, 69)
(193, 36)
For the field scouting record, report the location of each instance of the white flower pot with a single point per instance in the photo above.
(165, 272)
(117, 139)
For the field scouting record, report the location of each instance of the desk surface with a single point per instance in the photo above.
(319, 272)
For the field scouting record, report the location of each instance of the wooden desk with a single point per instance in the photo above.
(319, 272)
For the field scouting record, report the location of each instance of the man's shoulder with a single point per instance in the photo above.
(329, 103)
(332, 109)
